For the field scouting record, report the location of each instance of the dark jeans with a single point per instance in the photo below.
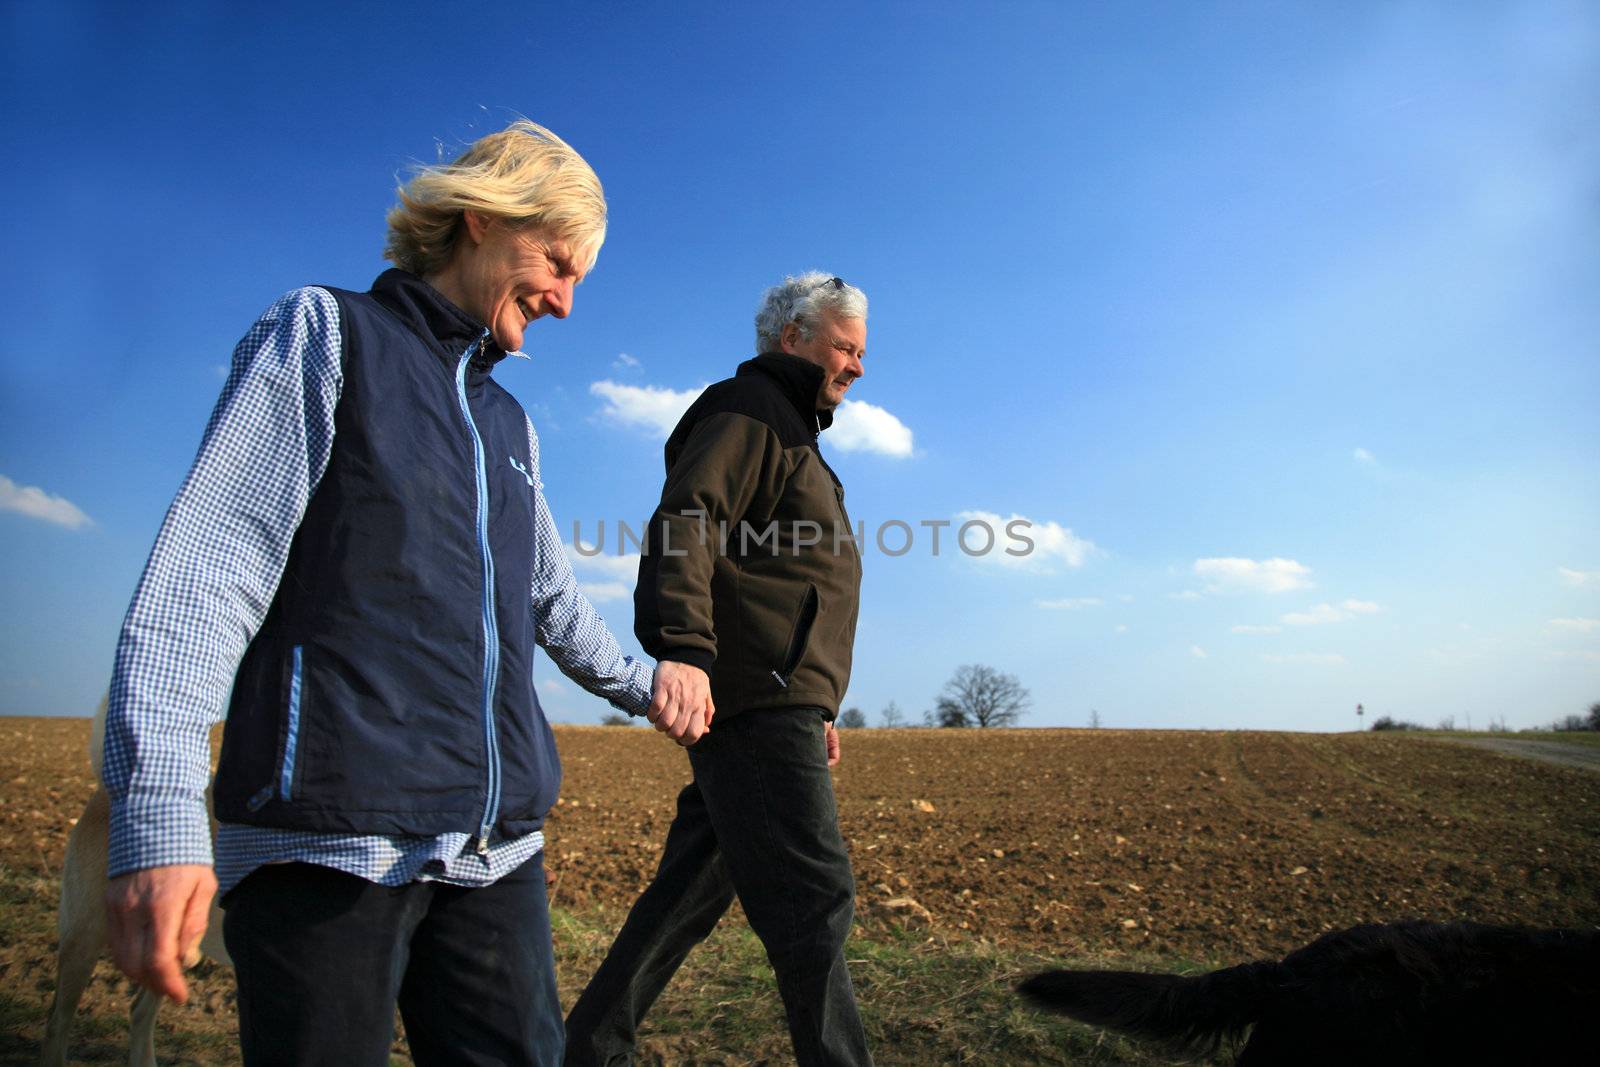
(758, 820)
(323, 957)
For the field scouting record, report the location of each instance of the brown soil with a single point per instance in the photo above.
(1194, 847)
(1211, 845)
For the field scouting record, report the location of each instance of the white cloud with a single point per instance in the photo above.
(857, 425)
(645, 407)
(1197, 652)
(1582, 626)
(1187, 594)
(1121, 628)
(1071, 603)
(35, 503)
(862, 427)
(1579, 579)
(1361, 455)
(1582, 655)
(1326, 613)
(602, 591)
(1233, 575)
(1317, 616)
(625, 362)
(1322, 659)
(1256, 629)
(620, 568)
(1051, 542)
(605, 576)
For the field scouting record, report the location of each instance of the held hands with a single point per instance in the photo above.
(680, 702)
(155, 920)
(830, 738)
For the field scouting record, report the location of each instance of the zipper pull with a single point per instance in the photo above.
(781, 679)
(483, 844)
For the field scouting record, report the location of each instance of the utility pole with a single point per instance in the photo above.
(1360, 711)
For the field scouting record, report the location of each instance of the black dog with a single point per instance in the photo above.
(1407, 993)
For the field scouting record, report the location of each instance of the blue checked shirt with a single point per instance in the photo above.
(206, 588)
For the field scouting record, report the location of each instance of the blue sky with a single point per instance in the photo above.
(1283, 315)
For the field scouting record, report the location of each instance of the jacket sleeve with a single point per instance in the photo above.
(729, 470)
(566, 623)
(212, 575)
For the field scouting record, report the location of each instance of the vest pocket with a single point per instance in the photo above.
(799, 635)
(291, 740)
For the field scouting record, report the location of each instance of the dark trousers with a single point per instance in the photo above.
(758, 820)
(323, 957)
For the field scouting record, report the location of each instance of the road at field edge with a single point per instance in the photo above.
(1547, 751)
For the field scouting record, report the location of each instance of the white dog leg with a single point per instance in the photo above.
(80, 924)
(142, 1031)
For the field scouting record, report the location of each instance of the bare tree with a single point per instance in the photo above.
(891, 716)
(616, 718)
(851, 719)
(978, 695)
(948, 713)
(1094, 719)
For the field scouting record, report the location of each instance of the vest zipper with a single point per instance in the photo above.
(292, 740)
(491, 628)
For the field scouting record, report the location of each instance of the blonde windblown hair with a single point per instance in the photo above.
(524, 174)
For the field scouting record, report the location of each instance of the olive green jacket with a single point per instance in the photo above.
(750, 568)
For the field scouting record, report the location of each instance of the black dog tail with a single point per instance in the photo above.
(1190, 1015)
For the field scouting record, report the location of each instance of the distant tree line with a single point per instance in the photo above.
(1386, 722)
(1569, 724)
(1574, 723)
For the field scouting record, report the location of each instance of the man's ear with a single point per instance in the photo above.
(789, 337)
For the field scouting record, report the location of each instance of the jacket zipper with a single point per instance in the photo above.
(491, 628)
(799, 634)
(292, 742)
(285, 784)
(838, 490)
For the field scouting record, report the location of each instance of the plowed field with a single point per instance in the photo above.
(1192, 844)
(1180, 846)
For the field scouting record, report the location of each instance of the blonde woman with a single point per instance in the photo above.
(362, 555)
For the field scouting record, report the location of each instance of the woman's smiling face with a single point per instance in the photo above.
(510, 274)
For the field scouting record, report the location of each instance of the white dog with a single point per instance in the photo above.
(82, 927)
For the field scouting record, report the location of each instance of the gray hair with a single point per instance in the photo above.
(801, 300)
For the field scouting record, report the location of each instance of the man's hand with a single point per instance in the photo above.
(830, 738)
(155, 920)
(680, 702)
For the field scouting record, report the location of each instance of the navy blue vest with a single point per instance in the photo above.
(390, 690)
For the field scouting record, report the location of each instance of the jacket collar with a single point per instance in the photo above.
(442, 324)
(800, 380)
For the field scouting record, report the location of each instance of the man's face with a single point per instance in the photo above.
(837, 346)
(513, 275)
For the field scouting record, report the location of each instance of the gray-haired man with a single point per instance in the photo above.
(749, 586)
